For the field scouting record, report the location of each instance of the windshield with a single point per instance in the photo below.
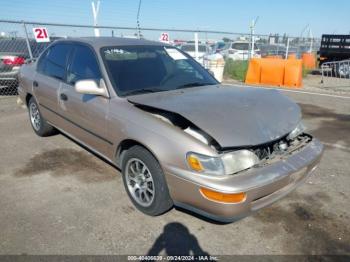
(141, 69)
(191, 48)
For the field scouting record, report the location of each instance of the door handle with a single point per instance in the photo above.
(63, 97)
(35, 84)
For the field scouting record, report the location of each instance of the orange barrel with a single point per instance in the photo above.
(253, 73)
(293, 73)
(272, 71)
(309, 60)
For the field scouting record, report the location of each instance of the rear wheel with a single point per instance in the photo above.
(144, 182)
(39, 124)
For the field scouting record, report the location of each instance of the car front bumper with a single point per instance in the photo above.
(263, 185)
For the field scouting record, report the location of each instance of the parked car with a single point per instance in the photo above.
(240, 50)
(203, 50)
(13, 54)
(219, 47)
(178, 135)
(272, 50)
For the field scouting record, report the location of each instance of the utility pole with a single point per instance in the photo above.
(95, 10)
(311, 39)
(252, 37)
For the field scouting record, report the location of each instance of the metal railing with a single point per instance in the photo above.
(336, 74)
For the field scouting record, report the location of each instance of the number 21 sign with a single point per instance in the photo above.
(41, 35)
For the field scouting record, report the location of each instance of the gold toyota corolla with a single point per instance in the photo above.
(178, 135)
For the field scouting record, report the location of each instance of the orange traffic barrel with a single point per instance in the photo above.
(309, 60)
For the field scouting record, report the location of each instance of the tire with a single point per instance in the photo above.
(342, 70)
(37, 121)
(139, 185)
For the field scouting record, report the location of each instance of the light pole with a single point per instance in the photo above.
(95, 10)
(252, 32)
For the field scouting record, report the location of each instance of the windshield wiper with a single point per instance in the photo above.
(193, 84)
(143, 90)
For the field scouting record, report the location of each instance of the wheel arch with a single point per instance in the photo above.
(27, 98)
(127, 144)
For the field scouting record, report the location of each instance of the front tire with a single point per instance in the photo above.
(39, 124)
(144, 182)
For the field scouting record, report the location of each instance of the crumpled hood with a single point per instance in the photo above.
(234, 116)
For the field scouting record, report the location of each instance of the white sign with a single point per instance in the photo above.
(41, 35)
(164, 37)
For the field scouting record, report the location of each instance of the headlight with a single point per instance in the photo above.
(226, 164)
(239, 160)
(300, 128)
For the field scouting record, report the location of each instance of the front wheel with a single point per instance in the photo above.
(144, 182)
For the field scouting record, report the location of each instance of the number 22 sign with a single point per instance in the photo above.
(41, 35)
(164, 37)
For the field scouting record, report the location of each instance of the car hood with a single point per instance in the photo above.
(234, 116)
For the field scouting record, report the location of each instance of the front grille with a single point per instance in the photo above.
(280, 147)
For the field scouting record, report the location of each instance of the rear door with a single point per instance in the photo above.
(85, 115)
(50, 74)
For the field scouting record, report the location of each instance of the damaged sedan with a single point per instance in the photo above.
(179, 136)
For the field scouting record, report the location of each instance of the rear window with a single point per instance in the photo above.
(191, 48)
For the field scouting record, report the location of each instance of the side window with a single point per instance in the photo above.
(83, 66)
(41, 62)
(55, 61)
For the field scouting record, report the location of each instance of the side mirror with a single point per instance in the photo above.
(90, 87)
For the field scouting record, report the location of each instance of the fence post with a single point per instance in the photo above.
(27, 41)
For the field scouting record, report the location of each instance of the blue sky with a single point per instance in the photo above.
(276, 16)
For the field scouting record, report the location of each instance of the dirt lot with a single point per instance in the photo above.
(56, 198)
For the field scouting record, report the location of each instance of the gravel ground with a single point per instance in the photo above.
(57, 198)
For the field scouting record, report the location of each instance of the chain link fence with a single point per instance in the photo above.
(17, 43)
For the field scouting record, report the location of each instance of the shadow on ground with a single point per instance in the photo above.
(176, 240)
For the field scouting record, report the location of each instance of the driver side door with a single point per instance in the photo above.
(84, 114)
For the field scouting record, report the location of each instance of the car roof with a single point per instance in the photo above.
(98, 42)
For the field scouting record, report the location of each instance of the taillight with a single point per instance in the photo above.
(13, 60)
